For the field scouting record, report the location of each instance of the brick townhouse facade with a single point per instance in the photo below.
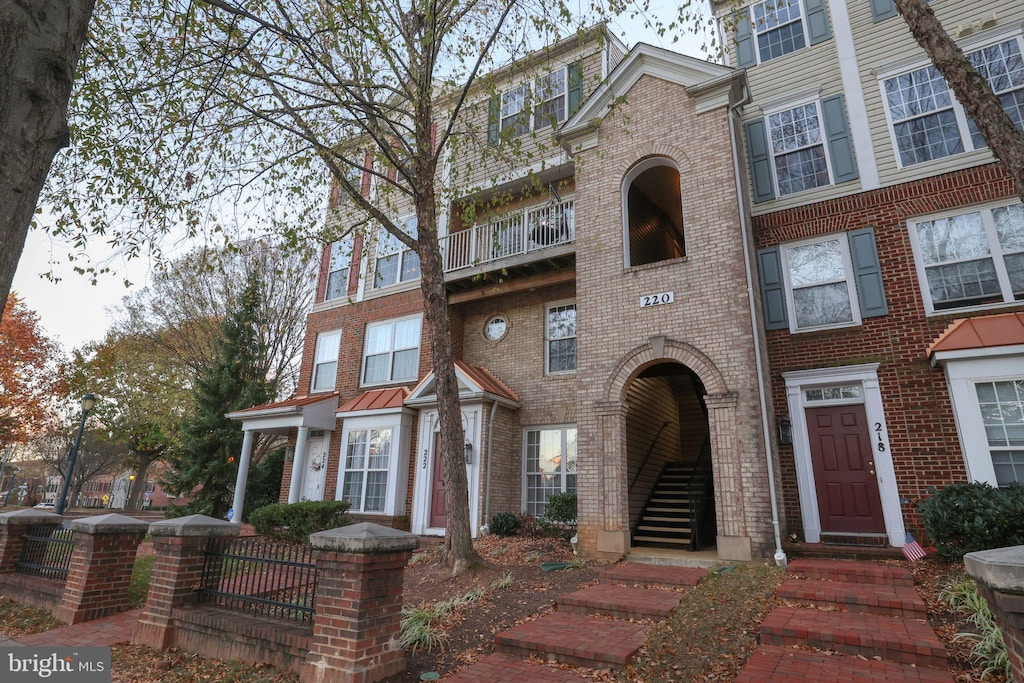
(725, 305)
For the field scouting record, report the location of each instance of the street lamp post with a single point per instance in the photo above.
(88, 401)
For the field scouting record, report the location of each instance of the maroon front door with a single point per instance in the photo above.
(437, 509)
(844, 470)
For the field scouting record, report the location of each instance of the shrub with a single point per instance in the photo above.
(529, 526)
(296, 521)
(561, 510)
(264, 482)
(504, 524)
(964, 518)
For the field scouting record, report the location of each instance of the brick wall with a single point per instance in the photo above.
(925, 448)
(707, 328)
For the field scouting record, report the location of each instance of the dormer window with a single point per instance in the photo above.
(654, 213)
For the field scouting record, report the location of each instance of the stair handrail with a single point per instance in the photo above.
(648, 456)
(701, 473)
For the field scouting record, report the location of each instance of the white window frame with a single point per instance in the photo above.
(508, 116)
(391, 350)
(995, 252)
(359, 504)
(790, 105)
(964, 370)
(844, 246)
(399, 421)
(563, 469)
(322, 356)
(388, 245)
(762, 30)
(339, 261)
(960, 115)
(548, 339)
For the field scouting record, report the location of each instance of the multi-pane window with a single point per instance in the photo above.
(395, 261)
(798, 149)
(779, 27)
(560, 338)
(325, 360)
(550, 466)
(367, 459)
(971, 259)
(549, 108)
(1002, 412)
(927, 121)
(392, 351)
(338, 269)
(546, 97)
(819, 287)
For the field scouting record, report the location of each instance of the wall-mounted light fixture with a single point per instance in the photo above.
(469, 453)
(785, 431)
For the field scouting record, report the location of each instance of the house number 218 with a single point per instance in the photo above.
(880, 444)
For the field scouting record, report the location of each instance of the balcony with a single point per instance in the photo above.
(522, 240)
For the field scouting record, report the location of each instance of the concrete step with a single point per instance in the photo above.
(574, 639)
(662, 540)
(771, 664)
(620, 602)
(892, 601)
(851, 571)
(652, 575)
(500, 668)
(904, 641)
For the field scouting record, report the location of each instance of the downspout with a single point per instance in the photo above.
(780, 555)
(490, 447)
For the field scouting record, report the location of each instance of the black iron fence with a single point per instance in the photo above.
(262, 577)
(46, 552)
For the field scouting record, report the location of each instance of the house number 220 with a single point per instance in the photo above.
(880, 444)
(657, 299)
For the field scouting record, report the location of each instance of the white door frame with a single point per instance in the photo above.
(425, 461)
(866, 376)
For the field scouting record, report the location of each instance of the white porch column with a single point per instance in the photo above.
(298, 466)
(243, 477)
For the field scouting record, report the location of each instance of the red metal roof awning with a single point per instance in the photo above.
(378, 399)
(983, 332)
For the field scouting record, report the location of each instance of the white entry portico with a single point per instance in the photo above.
(303, 414)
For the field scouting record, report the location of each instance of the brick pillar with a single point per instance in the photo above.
(12, 533)
(1000, 576)
(101, 567)
(358, 604)
(179, 545)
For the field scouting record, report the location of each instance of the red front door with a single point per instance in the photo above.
(844, 470)
(437, 490)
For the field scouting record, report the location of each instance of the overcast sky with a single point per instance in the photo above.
(73, 311)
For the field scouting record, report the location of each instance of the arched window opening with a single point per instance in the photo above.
(655, 216)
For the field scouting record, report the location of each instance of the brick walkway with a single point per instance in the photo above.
(106, 631)
(865, 622)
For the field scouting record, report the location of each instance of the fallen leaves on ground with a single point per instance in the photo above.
(17, 621)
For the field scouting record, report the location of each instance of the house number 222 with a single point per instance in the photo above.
(880, 444)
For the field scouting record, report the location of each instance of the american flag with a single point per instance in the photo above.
(912, 550)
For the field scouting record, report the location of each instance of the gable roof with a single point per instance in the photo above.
(983, 332)
(474, 382)
(696, 75)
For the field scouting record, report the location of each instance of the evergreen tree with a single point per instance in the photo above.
(212, 443)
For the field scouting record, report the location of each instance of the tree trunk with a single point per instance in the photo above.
(40, 41)
(969, 86)
(145, 459)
